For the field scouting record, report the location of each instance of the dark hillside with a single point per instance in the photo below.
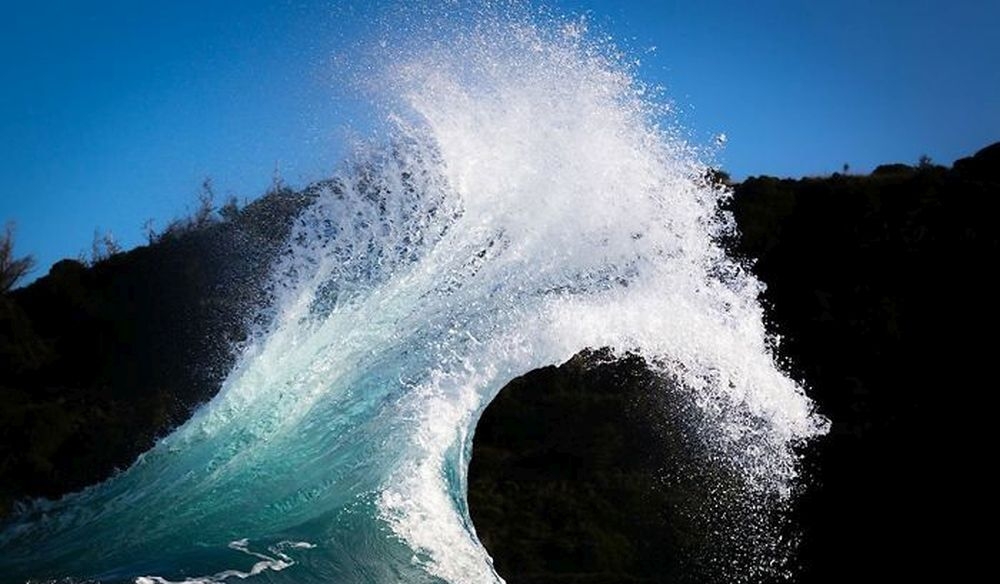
(99, 361)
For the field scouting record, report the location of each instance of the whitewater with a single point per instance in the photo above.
(527, 203)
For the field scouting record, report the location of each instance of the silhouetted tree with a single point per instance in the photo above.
(206, 204)
(149, 231)
(277, 182)
(231, 210)
(12, 269)
(103, 246)
(717, 177)
(202, 217)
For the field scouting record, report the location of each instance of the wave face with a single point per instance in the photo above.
(526, 206)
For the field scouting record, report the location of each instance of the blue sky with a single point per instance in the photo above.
(114, 112)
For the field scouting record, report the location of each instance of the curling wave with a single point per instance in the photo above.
(527, 206)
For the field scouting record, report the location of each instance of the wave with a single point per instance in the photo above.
(526, 205)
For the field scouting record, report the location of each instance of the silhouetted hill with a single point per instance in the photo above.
(99, 361)
(881, 289)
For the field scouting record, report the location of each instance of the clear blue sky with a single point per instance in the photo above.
(113, 112)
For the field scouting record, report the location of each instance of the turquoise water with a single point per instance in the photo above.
(524, 205)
